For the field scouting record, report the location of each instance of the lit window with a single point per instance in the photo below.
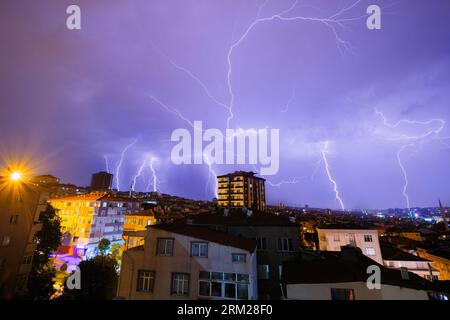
(6, 241)
(146, 281)
(263, 271)
(370, 251)
(368, 238)
(342, 294)
(165, 247)
(239, 257)
(199, 249)
(223, 285)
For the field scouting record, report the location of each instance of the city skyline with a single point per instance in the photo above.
(362, 113)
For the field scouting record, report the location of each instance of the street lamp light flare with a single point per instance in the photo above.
(15, 176)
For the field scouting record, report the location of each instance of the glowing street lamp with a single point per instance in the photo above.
(16, 176)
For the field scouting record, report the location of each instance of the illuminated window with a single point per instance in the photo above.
(223, 285)
(180, 283)
(263, 271)
(146, 281)
(6, 241)
(342, 294)
(370, 251)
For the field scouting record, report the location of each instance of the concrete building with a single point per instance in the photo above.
(397, 259)
(241, 189)
(86, 219)
(101, 181)
(344, 277)
(189, 262)
(334, 236)
(135, 227)
(440, 260)
(277, 241)
(20, 205)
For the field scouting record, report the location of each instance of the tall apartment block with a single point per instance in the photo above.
(242, 189)
(20, 205)
(101, 181)
(87, 219)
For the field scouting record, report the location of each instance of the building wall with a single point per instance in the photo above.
(87, 221)
(334, 239)
(418, 267)
(322, 291)
(271, 256)
(218, 260)
(16, 255)
(438, 263)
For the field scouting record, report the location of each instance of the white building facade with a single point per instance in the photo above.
(189, 263)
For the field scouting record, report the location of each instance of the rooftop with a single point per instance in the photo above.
(208, 235)
(97, 196)
(391, 253)
(346, 226)
(350, 265)
(241, 174)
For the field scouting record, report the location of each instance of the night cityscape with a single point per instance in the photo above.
(258, 152)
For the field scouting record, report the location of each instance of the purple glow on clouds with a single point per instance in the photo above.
(78, 96)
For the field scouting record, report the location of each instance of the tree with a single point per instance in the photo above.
(116, 253)
(98, 280)
(48, 239)
(104, 245)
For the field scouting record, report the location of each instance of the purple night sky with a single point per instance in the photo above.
(74, 97)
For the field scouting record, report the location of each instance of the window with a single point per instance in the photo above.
(180, 284)
(27, 259)
(285, 244)
(239, 257)
(199, 249)
(164, 247)
(146, 280)
(368, 238)
(370, 251)
(261, 244)
(14, 219)
(6, 241)
(336, 238)
(263, 271)
(342, 294)
(223, 285)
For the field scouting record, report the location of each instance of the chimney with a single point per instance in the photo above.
(350, 253)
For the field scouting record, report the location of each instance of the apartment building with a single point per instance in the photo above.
(135, 227)
(20, 204)
(241, 189)
(189, 262)
(86, 219)
(277, 241)
(334, 236)
(397, 259)
(343, 276)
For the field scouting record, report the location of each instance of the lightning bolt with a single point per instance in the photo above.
(119, 165)
(294, 180)
(155, 179)
(138, 174)
(106, 163)
(412, 141)
(286, 108)
(211, 173)
(331, 22)
(330, 177)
